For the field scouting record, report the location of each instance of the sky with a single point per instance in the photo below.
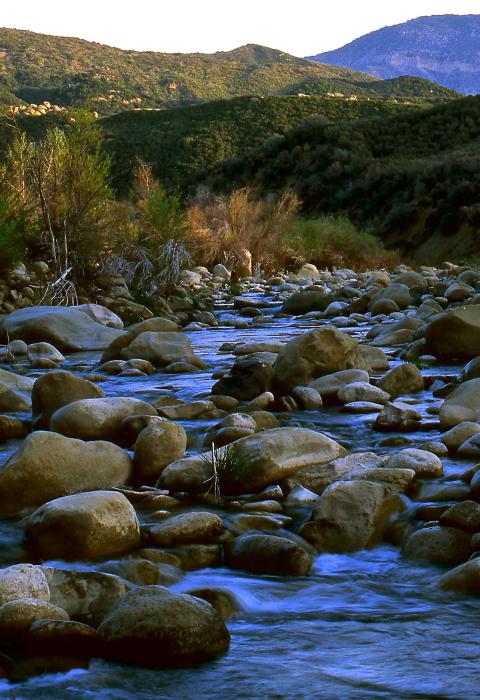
(299, 27)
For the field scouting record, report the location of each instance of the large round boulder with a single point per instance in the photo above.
(438, 545)
(159, 444)
(305, 301)
(351, 515)
(461, 405)
(15, 392)
(67, 328)
(17, 616)
(98, 419)
(268, 554)
(152, 626)
(23, 581)
(403, 379)
(186, 528)
(312, 355)
(455, 334)
(254, 461)
(57, 389)
(93, 525)
(464, 578)
(48, 466)
(161, 348)
(156, 324)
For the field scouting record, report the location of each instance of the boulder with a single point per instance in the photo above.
(43, 354)
(67, 328)
(57, 389)
(23, 581)
(424, 464)
(457, 435)
(48, 466)
(98, 419)
(17, 616)
(398, 416)
(186, 528)
(305, 301)
(455, 334)
(317, 477)
(268, 554)
(162, 349)
(248, 377)
(463, 579)
(465, 516)
(152, 626)
(312, 355)
(158, 445)
(329, 385)
(396, 292)
(461, 405)
(439, 545)
(362, 391)
(86, 595)
(403, 379)
(102, 315)
(63, 638)
(256, 461)
(157, 325)
(15, 392)
(351, 515)
(92, 525)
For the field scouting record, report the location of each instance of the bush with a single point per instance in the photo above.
(12, 237)
(332, 242)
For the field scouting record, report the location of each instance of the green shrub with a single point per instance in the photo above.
(12, 238)
(334, 242)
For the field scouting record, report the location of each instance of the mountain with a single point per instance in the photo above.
(442, 48)
(73, 72)
(412, 177)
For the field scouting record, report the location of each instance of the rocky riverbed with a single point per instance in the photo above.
(326, 545)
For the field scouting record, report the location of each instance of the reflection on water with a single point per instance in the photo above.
(365, 625)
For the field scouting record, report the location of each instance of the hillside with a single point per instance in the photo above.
(184, 143)
(442, 48)
(412, 177)
(78, 73)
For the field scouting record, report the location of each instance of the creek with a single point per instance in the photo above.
(363, 625)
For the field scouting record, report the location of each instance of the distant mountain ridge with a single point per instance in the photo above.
(442, 48)
(74, 72)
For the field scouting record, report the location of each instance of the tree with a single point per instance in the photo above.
(60, 185)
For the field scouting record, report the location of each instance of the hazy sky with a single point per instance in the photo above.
(300, 27)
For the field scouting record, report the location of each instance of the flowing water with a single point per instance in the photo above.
(363, 625)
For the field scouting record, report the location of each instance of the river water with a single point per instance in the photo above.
(364, 625)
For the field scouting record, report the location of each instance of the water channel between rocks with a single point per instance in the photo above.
(363, 625)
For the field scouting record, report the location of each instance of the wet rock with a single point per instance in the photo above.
(15, 392)
(462, 404)
(17, 616)
(403, 379)
(186, 528)
(157, 445)
(188, 411)
(11, 429)
(471, 447)
(307, 398)
(221, 271)
(48, 466)
(424, 464)
(152, 626)
(141, 572)
(312, 355)
(361, 407)
(262, 402)
(98, 419)
(86, 595)
(198, 556)
(260, 459)
(67, 328)
(268, 554)
(455, 334)
(92, 525)
(463, 579)
(102, 315)
(222, 600)
(305, 301)
(362, 391)
(351, 515)
(397, 480)
(374, 359)
(396, 292)
(457, 435)
(398, 416)
(161, 349)
(40, 353)
(458, 292)
(465, 516)
(317, 477)
(57, 389)
(439, 545)
(157, 325)
(63, 638)
(248, 377)
(23, 581)
(329, 385)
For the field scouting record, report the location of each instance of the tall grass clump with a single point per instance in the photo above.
(221, 228)
(333, 242)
